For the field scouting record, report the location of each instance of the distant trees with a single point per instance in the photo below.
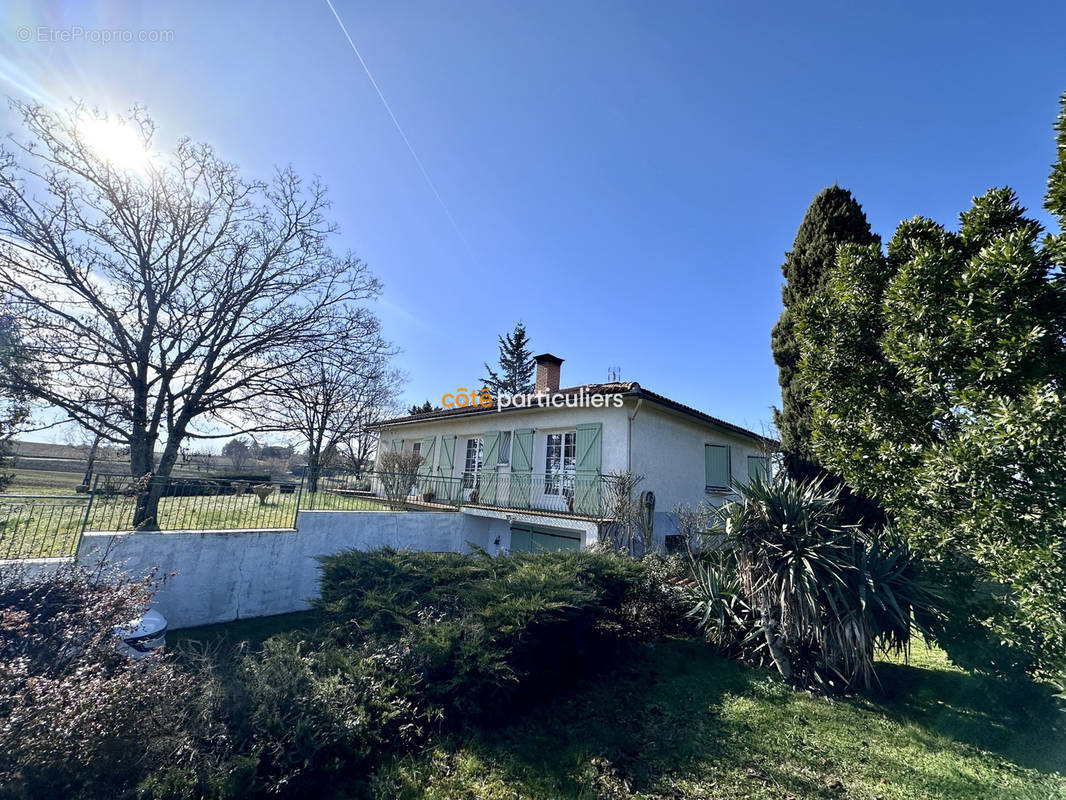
(172, 291)
(833, 218)
(516, 366)
(425, 408)
(328, 402)
(937, 374)
(238, 451)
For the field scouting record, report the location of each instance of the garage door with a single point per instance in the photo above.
(527, 539)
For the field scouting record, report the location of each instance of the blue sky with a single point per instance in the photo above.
(623, 177)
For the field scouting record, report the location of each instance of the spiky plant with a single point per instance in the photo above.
(818, 597)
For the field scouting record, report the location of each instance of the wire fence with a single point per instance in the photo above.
(40, 527)
(381, 491)
(119, 504)
(37, 526)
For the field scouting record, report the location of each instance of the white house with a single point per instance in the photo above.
(539, 468)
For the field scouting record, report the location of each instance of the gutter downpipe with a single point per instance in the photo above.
(629, 444)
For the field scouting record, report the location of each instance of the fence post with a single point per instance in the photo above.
(88, 510)
(299, 497)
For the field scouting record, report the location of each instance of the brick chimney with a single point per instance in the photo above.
(547, 373)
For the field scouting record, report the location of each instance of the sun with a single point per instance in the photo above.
(117, 142)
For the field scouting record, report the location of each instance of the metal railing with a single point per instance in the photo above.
(119, 504)
(382, 491)
(33, 526)
(579, 494)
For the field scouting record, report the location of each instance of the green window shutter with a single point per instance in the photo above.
(521, 468)
(446, 489)
(758, 465)
(490, 457)
(716, 466)
(589, 446)
(397, 445)
(426, 467)
(522, 450)
(446, 464)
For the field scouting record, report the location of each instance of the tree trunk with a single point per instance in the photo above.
(145, 515)
(88, 477)
(775, 644)
(314, 469)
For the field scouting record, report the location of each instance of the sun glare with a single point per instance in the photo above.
(117, 143)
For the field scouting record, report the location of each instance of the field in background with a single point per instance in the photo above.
(39, 481)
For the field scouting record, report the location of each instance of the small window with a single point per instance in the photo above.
(417, 448)
(718, 475)
(759, 465)
(505, 448)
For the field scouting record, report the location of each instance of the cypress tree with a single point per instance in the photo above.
(516, 365)
(833, 218)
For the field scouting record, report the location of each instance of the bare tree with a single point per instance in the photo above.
(399, 475)
(378, 403)
(326, 400)
(174, 291)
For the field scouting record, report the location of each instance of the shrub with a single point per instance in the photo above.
(80, 720)
(796, 588)
(487, 632)
(399, 474)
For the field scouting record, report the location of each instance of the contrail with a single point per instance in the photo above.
(396, 122)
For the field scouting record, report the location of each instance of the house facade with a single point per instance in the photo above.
(541, 470)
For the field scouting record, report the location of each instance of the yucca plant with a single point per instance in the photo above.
(816, 597)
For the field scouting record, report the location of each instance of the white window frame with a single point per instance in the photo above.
(559, 467)
(472, 476)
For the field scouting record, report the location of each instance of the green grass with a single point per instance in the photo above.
(675, 721)
(248, 632)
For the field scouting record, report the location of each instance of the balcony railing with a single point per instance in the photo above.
(560, 493)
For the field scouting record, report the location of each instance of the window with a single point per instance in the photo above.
(759, 465)
(717, 473)
(505, 448)
(416, 448)
(472, 468)
(560, 461)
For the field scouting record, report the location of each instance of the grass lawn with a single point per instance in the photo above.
(36, 528)
(673, 720)
(250, 632)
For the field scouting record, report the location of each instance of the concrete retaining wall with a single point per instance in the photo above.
(227, 575)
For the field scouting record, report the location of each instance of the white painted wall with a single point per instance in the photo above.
(668, 451)
(226, 575)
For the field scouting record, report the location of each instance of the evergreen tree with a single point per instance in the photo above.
(15, 370)
(425, 408)
(936, 372)
(516, 365)
(833, 218)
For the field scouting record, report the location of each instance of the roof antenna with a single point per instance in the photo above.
(614, 374)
